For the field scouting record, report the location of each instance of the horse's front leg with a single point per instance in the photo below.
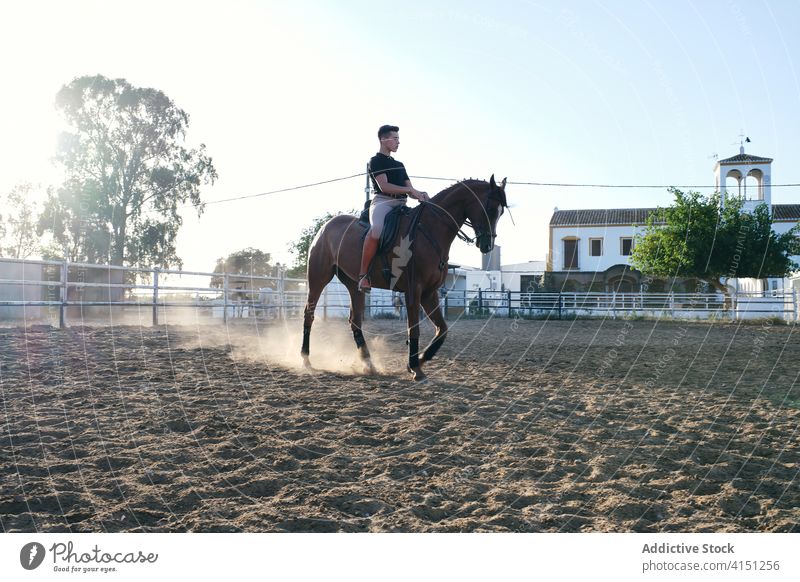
(430, 302)
(356, 319)
(412, 308)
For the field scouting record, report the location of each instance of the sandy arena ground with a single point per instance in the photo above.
(526, 426)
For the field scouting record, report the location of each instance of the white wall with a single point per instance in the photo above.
(486, 280)
(381, 301)
(611, 246)
(335, 300)
(750, 286)
(455, 284)
(21, 271)
(512, 274)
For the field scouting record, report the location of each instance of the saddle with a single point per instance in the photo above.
(391, 226)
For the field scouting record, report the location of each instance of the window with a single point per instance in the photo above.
(595, 247)
(626, 246)
(571, 253)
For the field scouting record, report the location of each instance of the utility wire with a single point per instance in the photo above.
(565, 185)
(538, 184)
(628, 185)
(282, 190)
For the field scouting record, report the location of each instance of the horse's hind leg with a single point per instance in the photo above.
(412, 308)
(433, 308)
(357, 299)
(317, 279)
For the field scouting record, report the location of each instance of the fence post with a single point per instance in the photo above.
(225, 281)
(282, 287)
(614, 305)
(480, 301)
(155, 296)
(325, 303)
(62, 308)
(446, 305)
(794, 304)
(509, 303)
(560, 304)
(672, 304)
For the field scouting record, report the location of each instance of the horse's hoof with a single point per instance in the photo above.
(306, 362)
(365, 369)
(417, 373)
(368, 368)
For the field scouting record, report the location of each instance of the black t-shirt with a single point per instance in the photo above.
(395, 171)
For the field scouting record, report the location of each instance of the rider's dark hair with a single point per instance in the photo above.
(386, 130)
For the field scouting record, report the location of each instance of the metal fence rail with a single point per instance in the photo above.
(60, 285)
(783, 305)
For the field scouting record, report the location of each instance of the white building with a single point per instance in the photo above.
(590, 249)
(525, 277)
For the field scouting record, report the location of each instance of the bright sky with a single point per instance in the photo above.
(288, 93)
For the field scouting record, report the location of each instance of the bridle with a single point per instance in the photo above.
(480, 233)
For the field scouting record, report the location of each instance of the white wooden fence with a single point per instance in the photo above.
(59, 291)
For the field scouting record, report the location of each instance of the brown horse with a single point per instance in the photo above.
(418, 261)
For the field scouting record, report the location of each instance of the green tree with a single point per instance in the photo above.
(302, 245)
(127, 174)
(702, 238)
(75, 235)
(18, 237)
(249, 262)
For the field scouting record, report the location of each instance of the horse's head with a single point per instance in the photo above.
(483, 214)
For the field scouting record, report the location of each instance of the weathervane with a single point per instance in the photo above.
(743, 139)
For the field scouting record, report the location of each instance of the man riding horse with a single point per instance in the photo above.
(392, 187)
(426, 232)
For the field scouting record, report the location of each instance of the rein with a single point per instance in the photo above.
(459, 231)
(415, 225)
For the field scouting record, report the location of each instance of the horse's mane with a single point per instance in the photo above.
(469, 183)
(466, 182)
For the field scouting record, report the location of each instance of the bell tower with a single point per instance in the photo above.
(746, 177)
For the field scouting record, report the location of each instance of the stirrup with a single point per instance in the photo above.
(368, 286)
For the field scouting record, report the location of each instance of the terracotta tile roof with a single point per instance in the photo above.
(604, 216)
(786, 211)
(624, 216)
(745, 158)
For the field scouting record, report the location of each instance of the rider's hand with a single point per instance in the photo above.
(421, 196)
